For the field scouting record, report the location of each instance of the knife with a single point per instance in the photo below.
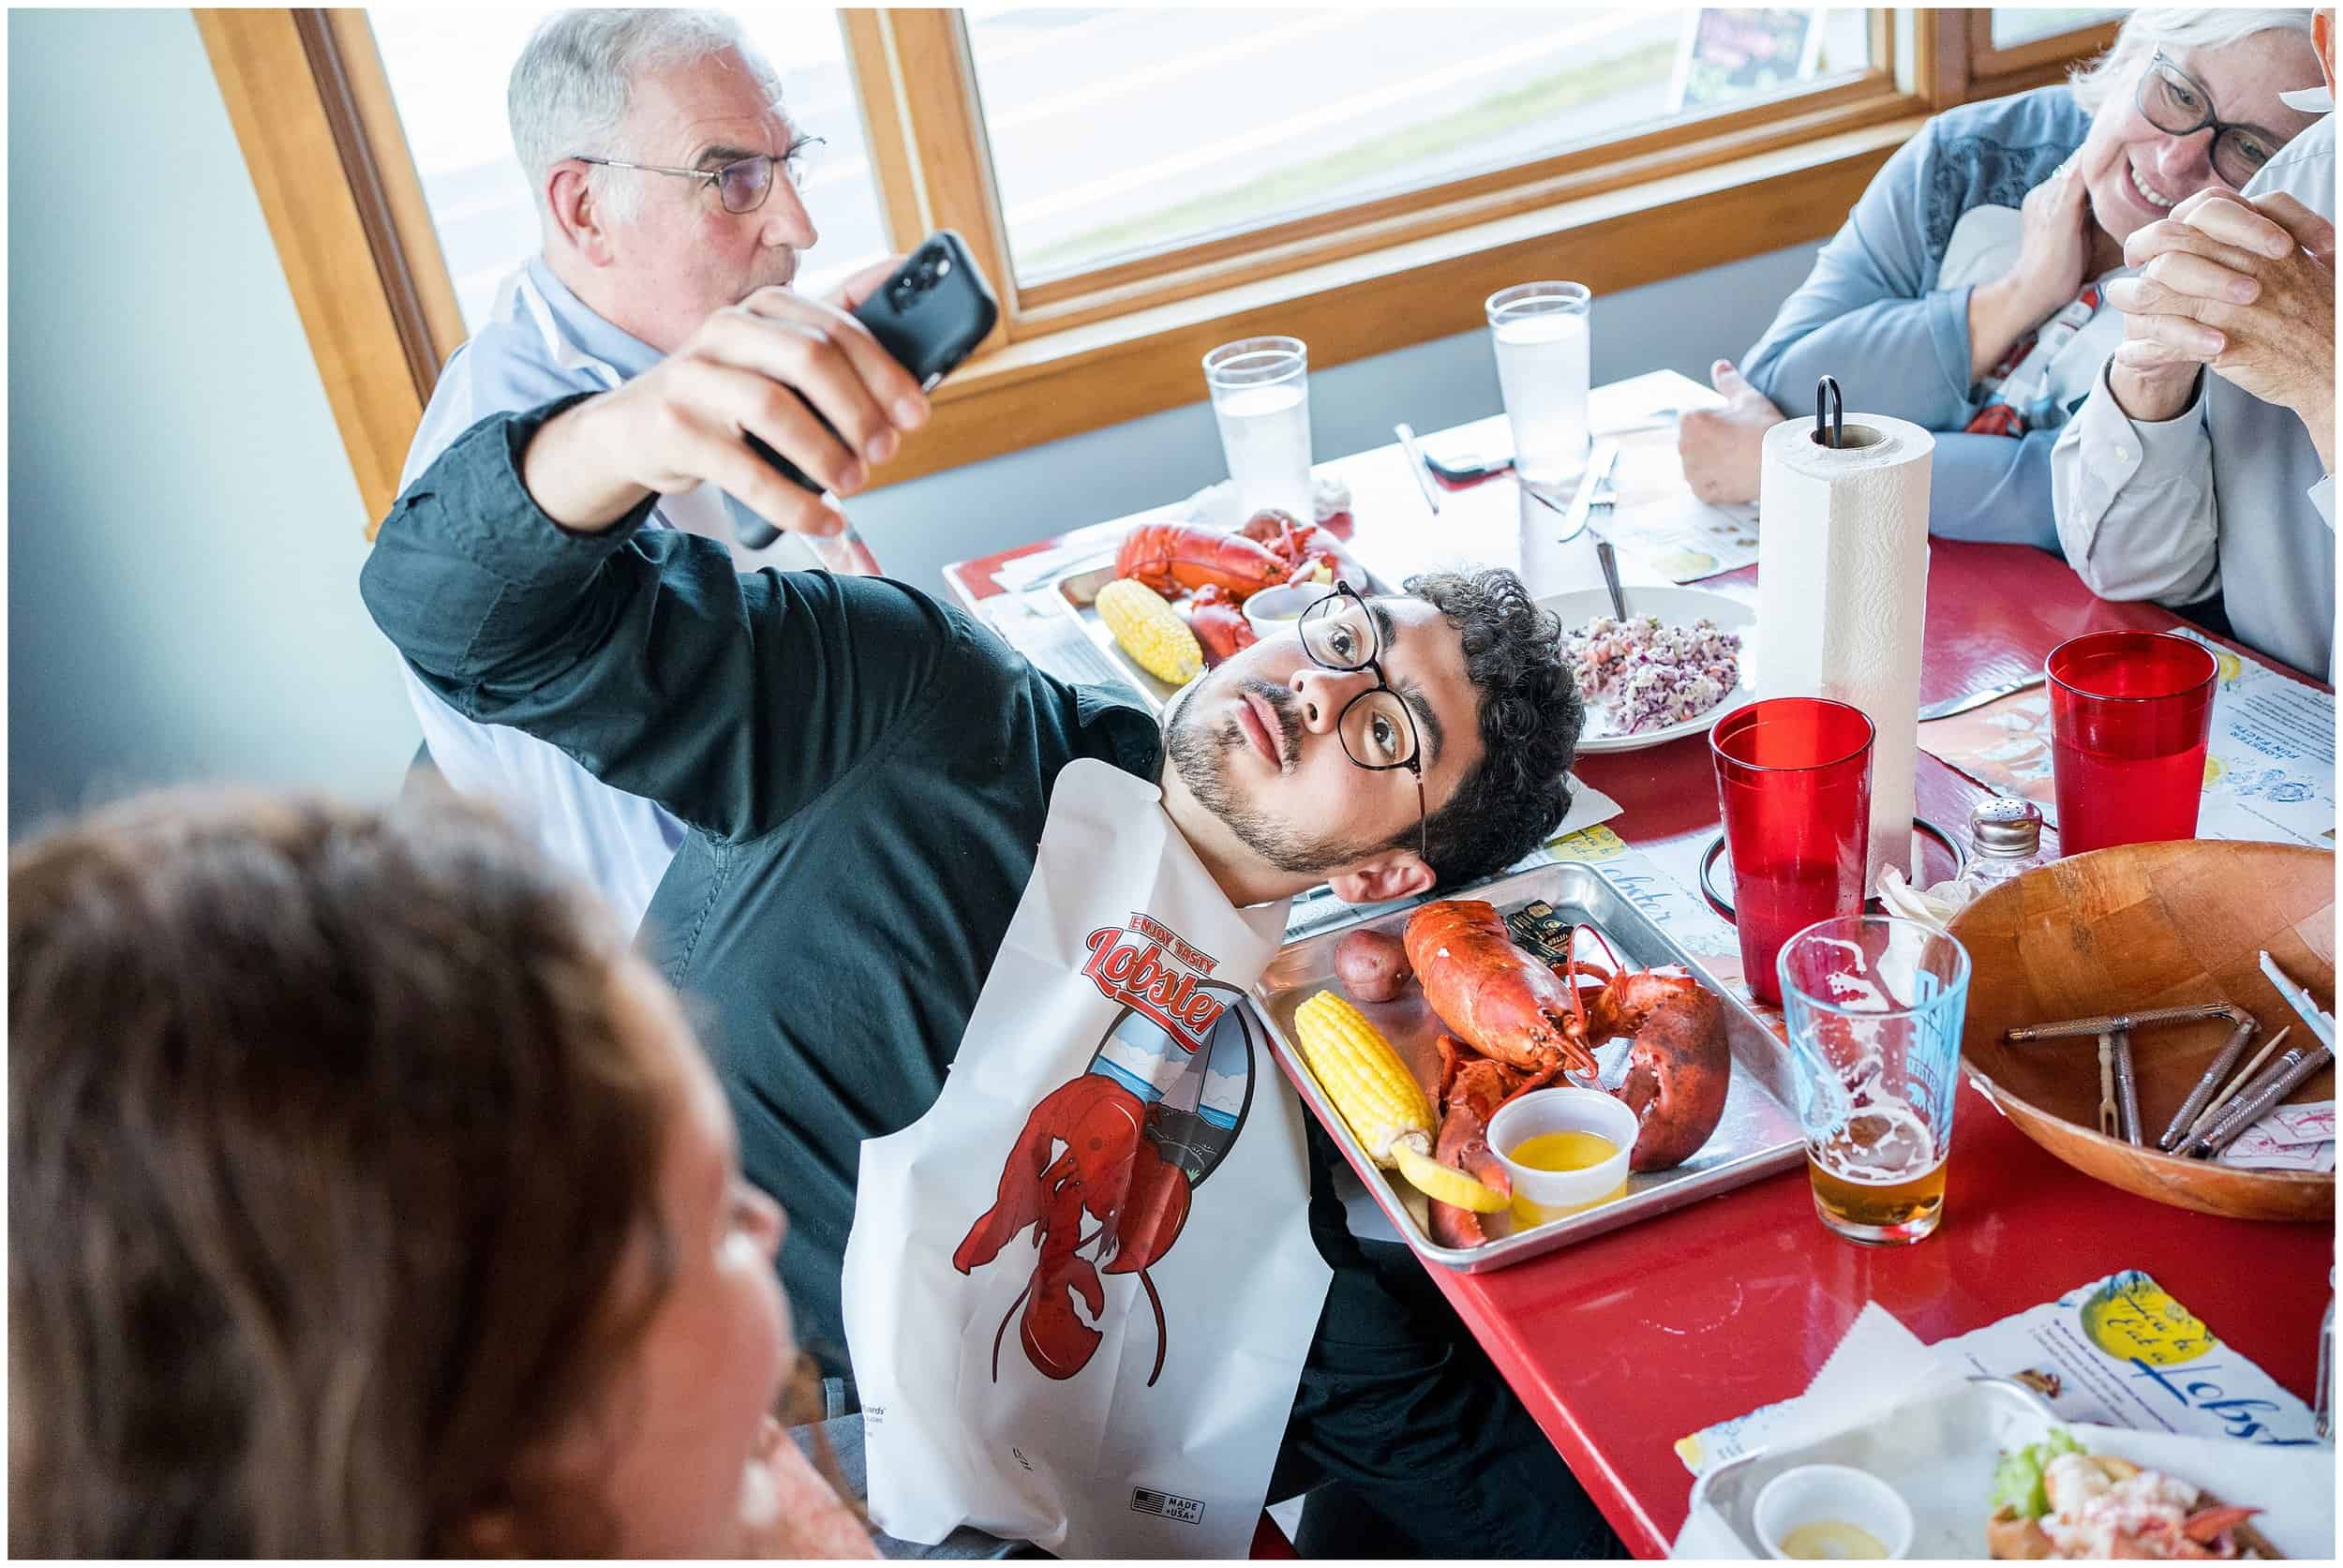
(2322, 1024)
(1950, 706)
(1415, 461)
(1599, 464)
(1605, 556)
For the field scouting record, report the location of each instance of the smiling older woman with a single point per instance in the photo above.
(1964, 293)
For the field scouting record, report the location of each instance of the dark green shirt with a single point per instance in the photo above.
(865, 771)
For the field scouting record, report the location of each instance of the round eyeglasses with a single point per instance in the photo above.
(2171, 100)
(1341, 632)
(742, 185)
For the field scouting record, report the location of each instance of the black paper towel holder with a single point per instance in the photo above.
(1826, 395)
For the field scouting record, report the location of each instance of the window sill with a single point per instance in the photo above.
(1057, 384)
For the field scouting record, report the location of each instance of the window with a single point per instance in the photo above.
(1118, 133)
(447, 72)
(2014, 26)
(1133, 195)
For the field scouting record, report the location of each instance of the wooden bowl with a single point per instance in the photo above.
(2141, 926)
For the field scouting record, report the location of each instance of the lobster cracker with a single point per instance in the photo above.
(2110, 1122)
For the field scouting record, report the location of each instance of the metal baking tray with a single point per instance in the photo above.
(1758, 1135)
(1938, 1454)
(1078, 590)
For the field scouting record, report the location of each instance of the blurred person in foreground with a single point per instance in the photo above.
(665, 173)
(2172, 484)
(368, 1197)
(1967, 291)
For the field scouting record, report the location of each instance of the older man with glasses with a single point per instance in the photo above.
(664, 172)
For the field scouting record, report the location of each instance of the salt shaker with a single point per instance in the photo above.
(2005, 842)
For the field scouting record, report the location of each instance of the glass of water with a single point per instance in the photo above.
(1874, 1007)
(1540, 330)
(1260, 395)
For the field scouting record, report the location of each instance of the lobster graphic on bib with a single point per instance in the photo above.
(1123, 1145)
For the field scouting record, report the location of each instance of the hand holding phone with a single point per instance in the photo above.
(927, 316)
(788, 372)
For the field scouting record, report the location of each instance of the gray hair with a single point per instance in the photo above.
(570, 86)
(2145, 32)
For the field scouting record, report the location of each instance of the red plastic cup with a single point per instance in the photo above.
(1793, 780)
(2130, 712)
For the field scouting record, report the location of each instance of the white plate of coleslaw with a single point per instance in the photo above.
(1677, 663)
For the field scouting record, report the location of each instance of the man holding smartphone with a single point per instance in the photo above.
(867, 772)
(662, 166)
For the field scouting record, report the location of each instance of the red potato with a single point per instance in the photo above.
(1371, 966)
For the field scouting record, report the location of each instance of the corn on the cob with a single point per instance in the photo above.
(1151, 631)
(1385, 1107)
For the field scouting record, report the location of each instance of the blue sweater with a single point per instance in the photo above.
(1872, 314)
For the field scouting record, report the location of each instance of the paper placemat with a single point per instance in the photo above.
(2269, 773)
(2119, 1351)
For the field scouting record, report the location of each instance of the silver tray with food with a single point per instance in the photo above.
(1703, 1086)
(1987, 1469)
(1210, 577)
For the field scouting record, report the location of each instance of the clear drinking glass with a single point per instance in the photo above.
(1874, 1007)
(1540, 333)
(1260, 395)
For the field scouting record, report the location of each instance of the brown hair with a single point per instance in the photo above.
(324, 1158)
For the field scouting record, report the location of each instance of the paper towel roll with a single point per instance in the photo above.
(1843, 593)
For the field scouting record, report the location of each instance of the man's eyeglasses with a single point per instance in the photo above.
(742, 185)
(2173, 102)
(1378, 732)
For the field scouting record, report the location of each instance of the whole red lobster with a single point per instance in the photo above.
(1110, 1170)
(1173, 558)
(1538, 1022)
(1504, 1004)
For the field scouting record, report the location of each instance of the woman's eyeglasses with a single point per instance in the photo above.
(742, 185)
(2171, 100)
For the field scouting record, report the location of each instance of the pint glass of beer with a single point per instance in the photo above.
(1874, 1007)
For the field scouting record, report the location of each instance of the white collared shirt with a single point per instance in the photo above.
(542, 343)
(2229, 495)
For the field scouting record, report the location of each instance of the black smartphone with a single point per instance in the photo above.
(928, 316)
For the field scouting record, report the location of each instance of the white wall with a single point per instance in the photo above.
(186, 535)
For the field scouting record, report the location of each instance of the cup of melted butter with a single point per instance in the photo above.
(1831, 1513)
(1832, 1540)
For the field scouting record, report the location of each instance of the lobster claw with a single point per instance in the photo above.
(1154, 1209)
(1057, 1339)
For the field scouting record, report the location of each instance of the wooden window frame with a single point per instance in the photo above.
(313, 111)
(2035, 63)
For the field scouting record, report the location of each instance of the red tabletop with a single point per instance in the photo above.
(1625, 1343)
